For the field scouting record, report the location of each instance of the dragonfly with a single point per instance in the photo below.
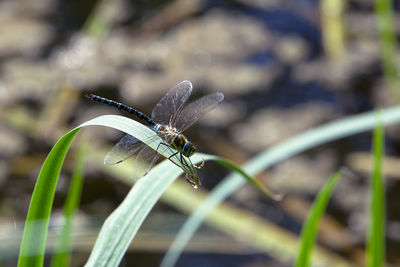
(169, 118)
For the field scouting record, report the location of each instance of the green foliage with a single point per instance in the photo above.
(310, 228)
(309, 139)
(255, 183)
(62, 253)
(376, 227)
(120, 228)
(35, 232)
(122, 225)
(387, 38)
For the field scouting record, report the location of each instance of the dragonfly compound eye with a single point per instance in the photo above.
(188, 149)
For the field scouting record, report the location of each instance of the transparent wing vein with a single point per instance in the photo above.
(172, 103)
(193, 112)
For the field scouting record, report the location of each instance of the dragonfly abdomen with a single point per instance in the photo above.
(124, 107)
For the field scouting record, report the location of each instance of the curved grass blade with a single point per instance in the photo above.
(314, 137)
(141, 199)
(310, 228)
(143, 133)
(35, 232)
(250, 179)
(242, 224)
(61, 256)
(122, 225)
(376, 222)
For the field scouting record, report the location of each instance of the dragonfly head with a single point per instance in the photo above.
(188, 149)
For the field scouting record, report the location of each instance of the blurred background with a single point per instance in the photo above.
(283, 66)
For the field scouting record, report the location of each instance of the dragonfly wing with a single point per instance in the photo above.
(147, 157)
(171, 104)
(126, 147)
(145, 160)
(192, 112)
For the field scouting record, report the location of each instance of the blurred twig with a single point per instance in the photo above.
(57, 110)
(172, 14)
(361, 162)
(332, 28)
(152, 236)
(99, 22)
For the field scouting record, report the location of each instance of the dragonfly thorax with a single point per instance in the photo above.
(179, 142)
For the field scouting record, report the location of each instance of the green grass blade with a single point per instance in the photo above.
(142, 133)
(314, 137)
(133, 128)
(121, 227)
(310, 228)
(387, 38)
(62, 253)
(251, 180)
(35, 232)
(376, 227)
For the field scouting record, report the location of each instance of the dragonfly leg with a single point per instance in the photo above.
(201, 165)
(169, 158)
(191, 182)
(184, 161)
(181, 160)
(173, 155)
(161, 143)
